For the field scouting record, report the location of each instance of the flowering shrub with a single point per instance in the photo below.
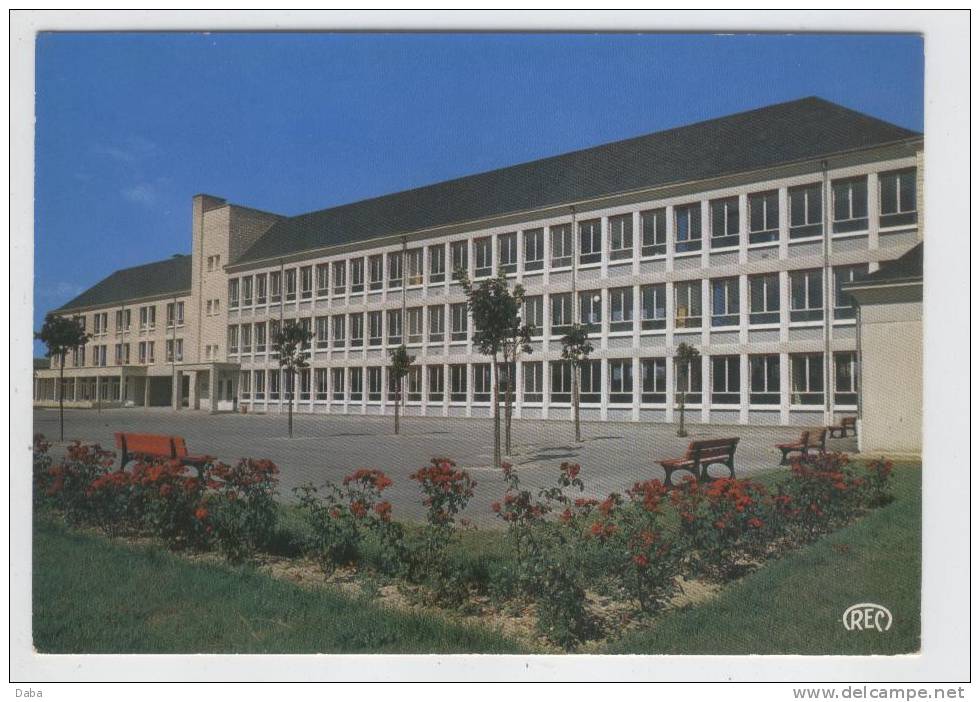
(644, 560)
(41, 468)
(171, 503)
(820, 494)
(878, 482)
(724, 524)
(241, 506)
(110, 502)
(66, 484)
(339, 516)
(548, 554)
(446, 492)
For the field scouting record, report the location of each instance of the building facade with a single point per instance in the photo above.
(735, 235)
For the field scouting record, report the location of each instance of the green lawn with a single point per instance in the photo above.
(794, 605)
(94, 597)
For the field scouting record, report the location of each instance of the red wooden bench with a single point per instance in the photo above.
(156, 446)
(700, 455)
(847, 423)
(809, 439)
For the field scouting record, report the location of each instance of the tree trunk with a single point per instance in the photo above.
(680, 430)
(575, 411)
(289, 375)
(398, 404)
(61, 395)
(496, 413)
(509, 408)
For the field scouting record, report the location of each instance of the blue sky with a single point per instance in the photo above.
(130, 126)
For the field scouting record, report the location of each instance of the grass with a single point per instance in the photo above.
(794, 605)
(91, 596)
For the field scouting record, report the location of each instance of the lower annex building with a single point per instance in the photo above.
(737, 235)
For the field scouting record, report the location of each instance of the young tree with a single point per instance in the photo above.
(290, 343)
(575, 348)
(683, 358)
(496, 313)
(401, 363)
(61, 335)
(517, 343)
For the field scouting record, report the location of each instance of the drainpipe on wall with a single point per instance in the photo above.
(827, 379)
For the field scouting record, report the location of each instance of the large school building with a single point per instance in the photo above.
(734, 235)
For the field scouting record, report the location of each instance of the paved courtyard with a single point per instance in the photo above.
(327, 447)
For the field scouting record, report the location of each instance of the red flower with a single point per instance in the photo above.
(495, 506)
(755, 523)
(201, 513)
(641, 560)
(384, 510)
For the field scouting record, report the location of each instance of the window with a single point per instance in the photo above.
(806, 375)
(233, 285)
(687, 381)
(533, 250)
(533, 314)
(337, 384)
(322, 280)
(150, 345)
(621, 237)
(340, 278)
(590, 310)
(620, 309)
(175, 313)
(102, 323)
(119, 321)
(320, 378)
(356, 384)
(414, 383)
(437, 382)
(275, 326)
(687, 304)
(259, 393)
(141, 352)
(414, 325)
(653, 306)
(304, 384)
(437, 324)
(533, 381)
(119, 354)
(376, 272)
(246, 332)
(653, 224)
(247, 291)
(561, 381)
(483, 256)
(459, 321)
(590, 241)
(806, 296)
(764, 217)
(621, 381)
(850, 204)
(374, 384)
(394, 388)
(374, 328)
(210, 263)
(245, 384)
(275, 378)
(413, 265)
(175, 350)
(437, 263)
(898, 198)
(654, 375)
(78, 355)
(261, 287)
(394, 327)
(590, 391)
(844, 302)
(725, 379)
(460, 257)
(260, 337)
(764, 299)
(338, 323)
(561, 313)
(290, 284)
(357, 330)
(507, 252)
(764, 379)
(845, 379)
(356, 277)
(805, 211)
(457, 383)
(561, 245)
(687, 227)
(275, 286)
(323, 332)
(482, 382)
(724, 302)
(394, 269)
(724, 222)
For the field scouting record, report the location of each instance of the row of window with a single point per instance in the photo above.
(897, 199)
(625, 307)
(145, 350)
(78, 389)
(124, 318)
(627, 380)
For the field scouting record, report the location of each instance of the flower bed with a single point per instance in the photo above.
(577, 567)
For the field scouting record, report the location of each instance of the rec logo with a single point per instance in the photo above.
(867, 615)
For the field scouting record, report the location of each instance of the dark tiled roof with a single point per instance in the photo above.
(166, 277)
(41, 363)
(907, 267)
(783, 133)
